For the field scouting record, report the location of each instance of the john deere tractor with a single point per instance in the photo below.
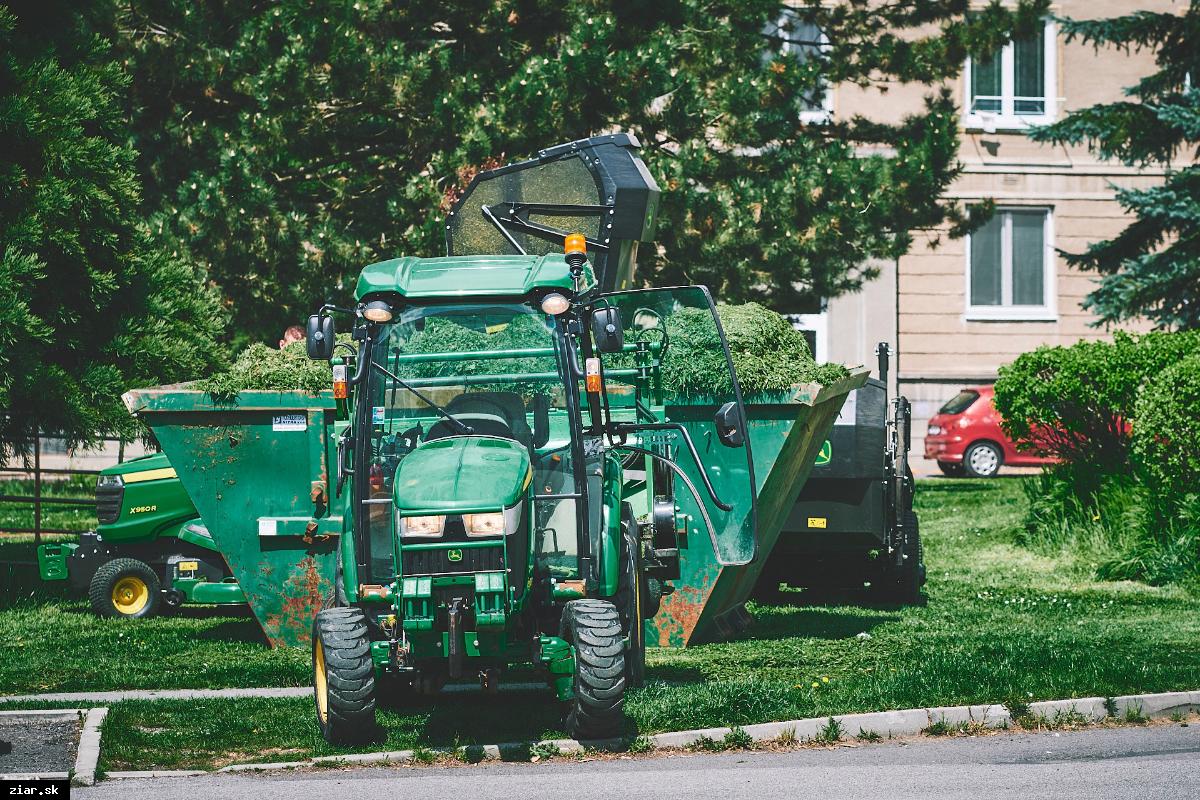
(149, 552)
(525, 447)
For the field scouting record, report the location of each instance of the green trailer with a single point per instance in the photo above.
(149, 552)
(517, 463)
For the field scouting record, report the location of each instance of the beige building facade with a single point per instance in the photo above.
(954, 311)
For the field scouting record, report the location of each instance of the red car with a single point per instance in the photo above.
(965, 438)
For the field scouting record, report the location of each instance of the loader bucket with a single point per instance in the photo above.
(257, 469)
(786, 432)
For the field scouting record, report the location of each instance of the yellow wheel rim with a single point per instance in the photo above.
(319, 679)
(130, 595)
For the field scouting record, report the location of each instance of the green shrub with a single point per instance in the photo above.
(1166, 435)
(1076, 401)
(1121, 530)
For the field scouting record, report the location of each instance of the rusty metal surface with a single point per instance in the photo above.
(257, 470)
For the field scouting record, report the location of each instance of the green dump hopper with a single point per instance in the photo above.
(257, 469)
(786, 432)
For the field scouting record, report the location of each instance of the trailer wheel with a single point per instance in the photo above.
(633, 600)
(343, 675)
(911, 575)
(125, 588)
(593, 627)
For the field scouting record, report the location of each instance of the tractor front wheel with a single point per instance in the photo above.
(593, 627)
(125, 588)
(343, 675)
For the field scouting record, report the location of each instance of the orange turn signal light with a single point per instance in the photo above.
(340, 388)
(592, 380)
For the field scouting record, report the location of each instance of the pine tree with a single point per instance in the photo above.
(91, 308)
(285, 145)
(1150, 270)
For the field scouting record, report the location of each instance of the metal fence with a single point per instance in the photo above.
(41, 443)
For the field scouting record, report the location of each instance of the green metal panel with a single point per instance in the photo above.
(189, 533)
(462, 474)
(466, 276)
(786, 434)
(253, 467)
(52, 560)
(220, 594)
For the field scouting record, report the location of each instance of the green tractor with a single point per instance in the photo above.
(525, 447)
(149, 551)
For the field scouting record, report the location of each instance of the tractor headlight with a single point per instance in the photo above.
(109, 481)
(422, 526)
(484, 524)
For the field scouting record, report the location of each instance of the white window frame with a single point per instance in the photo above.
(1007, 118)
(825, 112)
(1048, 310)
(819, 325)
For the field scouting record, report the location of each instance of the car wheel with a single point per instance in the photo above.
(982, 460)
(950, 470)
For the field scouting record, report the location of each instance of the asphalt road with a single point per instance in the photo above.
(1154, 762)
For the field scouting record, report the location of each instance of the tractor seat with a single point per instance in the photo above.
(480, 424)
(508, 406)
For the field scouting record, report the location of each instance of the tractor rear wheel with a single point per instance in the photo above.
(593, 627)
(125, 588)
(343, 675)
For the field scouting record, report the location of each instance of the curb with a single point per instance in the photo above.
(87, 753)
(217, 694)
(888, 724)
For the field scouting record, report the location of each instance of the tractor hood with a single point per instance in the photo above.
(462, 474)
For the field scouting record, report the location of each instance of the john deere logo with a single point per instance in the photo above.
(454, 555)
(825, 456)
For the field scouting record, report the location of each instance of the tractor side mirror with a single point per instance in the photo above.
(607, 330)
(321, 337)
(730, 425)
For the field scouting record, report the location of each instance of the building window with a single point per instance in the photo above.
(815, 328)
(792, 35)
(1015, 87)
(1010, 267)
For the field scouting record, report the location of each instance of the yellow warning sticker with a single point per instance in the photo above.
(817, 522)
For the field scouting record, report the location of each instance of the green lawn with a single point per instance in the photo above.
(1001, 624)
(15, 514)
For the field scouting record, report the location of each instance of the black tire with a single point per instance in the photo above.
(593, 627)
(910, 576)
(982, 460)
(951, 470)
(343, 676)
(336, 598)
(125, 588)
(633, 598)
